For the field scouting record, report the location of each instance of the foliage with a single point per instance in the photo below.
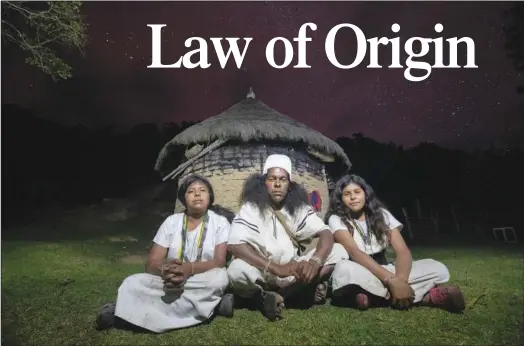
(42, 29)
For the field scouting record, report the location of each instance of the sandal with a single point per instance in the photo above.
(362, 301)
(106, 317)
(447, 297)
(321, 292)
(226, 305)
(271, 305)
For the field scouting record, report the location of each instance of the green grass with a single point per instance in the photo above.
(52, 290)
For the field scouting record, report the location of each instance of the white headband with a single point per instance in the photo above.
(278, 161)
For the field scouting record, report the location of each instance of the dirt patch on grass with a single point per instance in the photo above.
(133, 259)
(122, 239)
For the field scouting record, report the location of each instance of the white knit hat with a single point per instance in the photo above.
(278, 161)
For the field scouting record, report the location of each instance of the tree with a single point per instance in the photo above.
(42, 29)
(514, 30)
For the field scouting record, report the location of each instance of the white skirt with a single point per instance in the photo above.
(142, 301)
(425, 274)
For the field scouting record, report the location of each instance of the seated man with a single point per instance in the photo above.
(268, 239)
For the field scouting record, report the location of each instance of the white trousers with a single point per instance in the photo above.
(425, 274)
(243, 277)
(142, 301)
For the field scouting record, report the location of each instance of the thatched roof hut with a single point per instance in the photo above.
(227, 148)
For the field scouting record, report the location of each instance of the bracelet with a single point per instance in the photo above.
(316, 259)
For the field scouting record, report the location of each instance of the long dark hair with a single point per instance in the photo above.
(220, 210)
(372, 208)
(255, 191)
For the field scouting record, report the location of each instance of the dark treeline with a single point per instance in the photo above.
(484, 189)
(45, 164)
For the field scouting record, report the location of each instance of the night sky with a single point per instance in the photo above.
(457, 108)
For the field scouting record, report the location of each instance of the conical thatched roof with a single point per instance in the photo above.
(249, 120)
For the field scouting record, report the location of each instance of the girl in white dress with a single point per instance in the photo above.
(185, 277)
(365, 228)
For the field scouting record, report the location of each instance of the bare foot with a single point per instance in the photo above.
(321, 292)
(271, 305)
(362, 301)
(447, 297)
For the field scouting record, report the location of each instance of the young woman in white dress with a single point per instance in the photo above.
(185, 277)
(365, 228)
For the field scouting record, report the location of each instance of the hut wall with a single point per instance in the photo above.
(228, 167)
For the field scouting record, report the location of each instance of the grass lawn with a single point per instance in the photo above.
(52, 290)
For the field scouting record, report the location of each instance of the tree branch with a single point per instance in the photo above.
(38, 31)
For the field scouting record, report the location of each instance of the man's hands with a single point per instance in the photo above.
(303, 271)
(308, 271)
(175, 273)
(402, 294)
(285, 270)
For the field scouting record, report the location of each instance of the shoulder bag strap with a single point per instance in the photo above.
(282, 221)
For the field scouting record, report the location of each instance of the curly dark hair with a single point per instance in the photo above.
(220, 210)
(255, 191)
(372, 208)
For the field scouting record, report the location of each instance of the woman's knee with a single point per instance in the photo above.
(439, 270)
(219, 279)
(442, 271)
(135, 281)
(136, 278)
